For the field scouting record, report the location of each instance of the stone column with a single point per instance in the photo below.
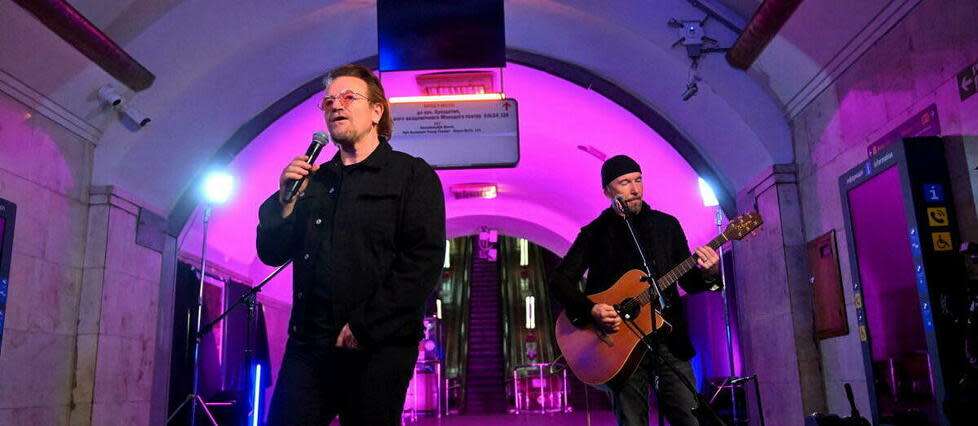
(775, 302)
(119, 313)
(45, 169)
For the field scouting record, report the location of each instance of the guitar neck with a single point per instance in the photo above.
(671, 277)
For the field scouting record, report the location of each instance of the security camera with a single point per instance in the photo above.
(691, 90)
(108, 95)
(691, 32)
(135, 115)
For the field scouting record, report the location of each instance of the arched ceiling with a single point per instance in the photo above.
(553, 191)
(220, 63)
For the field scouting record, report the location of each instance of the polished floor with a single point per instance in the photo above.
(596, 418)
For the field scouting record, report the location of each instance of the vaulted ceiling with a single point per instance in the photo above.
(220, 63)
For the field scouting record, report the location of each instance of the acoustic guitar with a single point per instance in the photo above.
(598, 358)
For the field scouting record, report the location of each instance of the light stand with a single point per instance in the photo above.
(216, 190)
(733, 381)
(194, 398)
(726, 320)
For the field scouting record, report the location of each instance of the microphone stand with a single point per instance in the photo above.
(648, 338)
(645, 263)
(249, 299)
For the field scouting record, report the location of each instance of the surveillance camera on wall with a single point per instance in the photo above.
(691, 32)
(135, 115)
(108, 95)
(691, 90)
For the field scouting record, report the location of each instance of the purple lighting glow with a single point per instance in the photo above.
(886, 267)
(547, 198)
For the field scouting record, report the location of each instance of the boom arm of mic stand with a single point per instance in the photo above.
(242, 300)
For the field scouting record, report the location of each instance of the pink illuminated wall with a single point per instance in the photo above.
(553, 191)
(886, 266)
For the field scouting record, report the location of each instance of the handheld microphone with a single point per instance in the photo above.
(319, 139)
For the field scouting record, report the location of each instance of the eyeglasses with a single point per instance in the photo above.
(345, 98)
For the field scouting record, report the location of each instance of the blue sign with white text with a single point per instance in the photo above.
(933, 192)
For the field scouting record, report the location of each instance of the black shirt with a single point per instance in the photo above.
(367, 243)
(606, 250)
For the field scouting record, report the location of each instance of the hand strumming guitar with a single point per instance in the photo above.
(606, 316)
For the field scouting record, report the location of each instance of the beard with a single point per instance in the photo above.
(346, 136)
(341, 139)
(634, 206)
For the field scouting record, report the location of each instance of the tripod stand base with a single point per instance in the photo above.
(193, 399)
(738, 389)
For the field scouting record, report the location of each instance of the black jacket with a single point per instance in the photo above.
(367, 243)
(606, 250)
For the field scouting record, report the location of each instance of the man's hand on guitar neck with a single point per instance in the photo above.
(605, 316)
(708, 259)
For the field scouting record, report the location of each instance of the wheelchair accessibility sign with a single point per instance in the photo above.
(942, 241)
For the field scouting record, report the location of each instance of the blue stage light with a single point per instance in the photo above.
(256, 401)
(217, 187)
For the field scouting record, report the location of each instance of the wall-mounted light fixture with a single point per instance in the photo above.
(474, 190)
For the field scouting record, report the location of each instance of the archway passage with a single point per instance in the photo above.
(497, 318)
(547, 197)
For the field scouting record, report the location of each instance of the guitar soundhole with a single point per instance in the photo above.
(629, 308)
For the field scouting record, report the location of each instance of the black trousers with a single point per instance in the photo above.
(316, 383)
(631, 401)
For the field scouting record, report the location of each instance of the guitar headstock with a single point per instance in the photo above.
(742, 225)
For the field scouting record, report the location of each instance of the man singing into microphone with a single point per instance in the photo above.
(605, 248)
(366, 235)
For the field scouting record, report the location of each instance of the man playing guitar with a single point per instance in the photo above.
(606, 250)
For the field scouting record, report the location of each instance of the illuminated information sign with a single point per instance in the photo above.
(458, 134)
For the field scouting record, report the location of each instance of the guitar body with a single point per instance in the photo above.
(599, 358)
(602, 359)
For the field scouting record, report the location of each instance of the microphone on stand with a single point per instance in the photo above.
(319, 139)
(618, 203)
